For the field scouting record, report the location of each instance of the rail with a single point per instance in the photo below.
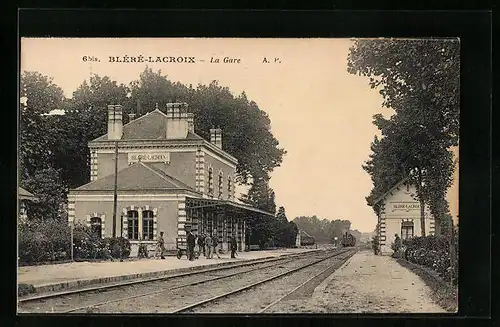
(241, 289)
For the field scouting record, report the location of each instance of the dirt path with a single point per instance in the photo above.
(368, 284)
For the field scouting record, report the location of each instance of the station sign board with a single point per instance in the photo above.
(149, 157)
(405, 206)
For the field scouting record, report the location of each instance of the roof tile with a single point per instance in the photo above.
(151, 126)
(138, 176)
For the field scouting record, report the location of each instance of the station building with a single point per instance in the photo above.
(168, 179)
(400, 214)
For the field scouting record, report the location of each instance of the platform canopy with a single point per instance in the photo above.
(223, 206)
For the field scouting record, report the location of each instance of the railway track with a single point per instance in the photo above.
(178, 293)
(239, 301)
(64, 302)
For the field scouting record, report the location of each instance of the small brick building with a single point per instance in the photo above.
(400, 214)
(168, 179)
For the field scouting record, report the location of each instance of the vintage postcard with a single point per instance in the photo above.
(228, 175)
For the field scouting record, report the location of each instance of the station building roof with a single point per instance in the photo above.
(138, 176)
(151, 126)
(392, 189)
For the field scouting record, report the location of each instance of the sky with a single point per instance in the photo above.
(320, 114)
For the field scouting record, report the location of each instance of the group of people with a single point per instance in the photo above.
(207, 244)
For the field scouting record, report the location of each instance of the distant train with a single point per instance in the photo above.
(348, 240)
(307, 240)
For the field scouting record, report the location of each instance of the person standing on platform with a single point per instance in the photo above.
(208, 246)
(397, 245)
(160, 246)
(215, 242)
(201, 243)
(196, 247)
(191, 241)
(233, 246)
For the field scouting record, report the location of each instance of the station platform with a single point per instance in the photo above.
(367, 283)
(59, 277)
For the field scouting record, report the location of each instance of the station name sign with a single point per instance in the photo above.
(149, 157)
(409, 206)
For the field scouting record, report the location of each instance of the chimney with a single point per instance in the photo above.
(216, 137)
(190, 118)
(177, 121)
(115, 123)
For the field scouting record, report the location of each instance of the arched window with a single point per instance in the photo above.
(406, 229)
(210, 181)
(96, 226)
(221, 184)
(133, 224)
(229, 188)
(147, 225)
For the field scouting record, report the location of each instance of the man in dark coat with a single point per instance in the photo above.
(234, 246)
(201, 243)
(397, 242)
(191, 241)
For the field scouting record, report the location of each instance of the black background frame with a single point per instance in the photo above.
(473, 27)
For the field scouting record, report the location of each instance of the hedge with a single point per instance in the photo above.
(434, 252)
(50, 241)
(88, 246)
(43, 241)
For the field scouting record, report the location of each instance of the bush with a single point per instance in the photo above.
(87, 245)
(43, 241)
(434, 253)
(120, 247)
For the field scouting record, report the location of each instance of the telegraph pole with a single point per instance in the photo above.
(115, 193)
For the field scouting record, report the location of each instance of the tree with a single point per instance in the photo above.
(36, 146)
(261, 227)
(281, 215)
(323, 230)
(36, 140)
(260, 195)
(47, 186)
(85, 119)
(419, 79)
(287, 231)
